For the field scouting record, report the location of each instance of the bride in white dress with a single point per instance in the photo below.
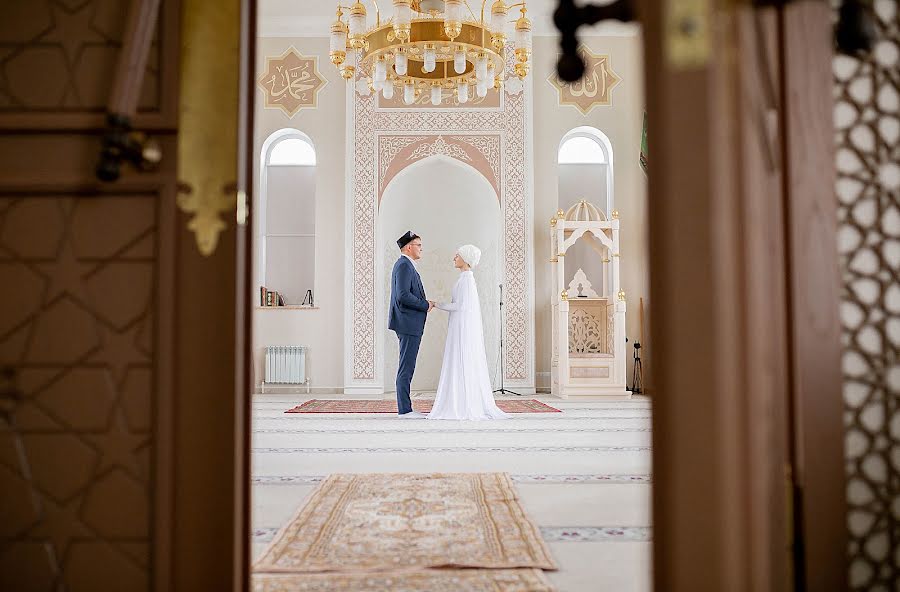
(464, 389)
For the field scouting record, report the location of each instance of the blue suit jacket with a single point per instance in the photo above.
(409, 306)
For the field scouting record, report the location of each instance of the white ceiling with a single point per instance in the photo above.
(312, 18)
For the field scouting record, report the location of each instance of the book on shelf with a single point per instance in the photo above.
(270, 297)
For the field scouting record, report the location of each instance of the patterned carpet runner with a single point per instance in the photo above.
(423, 406)
(430, 580)
(370, 528)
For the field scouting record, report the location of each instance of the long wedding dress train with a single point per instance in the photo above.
(464, 389)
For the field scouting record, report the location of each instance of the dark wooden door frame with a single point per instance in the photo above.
(763, 351)
(747, 424)
(243, 303)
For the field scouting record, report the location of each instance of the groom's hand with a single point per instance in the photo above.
(430, 305)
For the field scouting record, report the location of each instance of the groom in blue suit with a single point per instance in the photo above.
(409, 309)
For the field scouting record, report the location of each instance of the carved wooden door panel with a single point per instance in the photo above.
(99, 384)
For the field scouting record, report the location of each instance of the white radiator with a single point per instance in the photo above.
(286, 364)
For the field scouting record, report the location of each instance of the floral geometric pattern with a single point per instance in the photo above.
(76, 414)
(433, 580)
(868, 193)
(587, 332)
(72, 45)
(364, 522)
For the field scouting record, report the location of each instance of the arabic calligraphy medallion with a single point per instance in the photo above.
(291, 82)
(595, 88)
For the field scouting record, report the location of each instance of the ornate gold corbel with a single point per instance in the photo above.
(564, 295)
(207, 138)
(621, 295)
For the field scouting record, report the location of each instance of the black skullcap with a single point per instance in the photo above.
(407, 238)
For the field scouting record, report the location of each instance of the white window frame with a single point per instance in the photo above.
(602, 140)
(260, 227)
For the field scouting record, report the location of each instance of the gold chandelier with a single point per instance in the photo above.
(429, 45)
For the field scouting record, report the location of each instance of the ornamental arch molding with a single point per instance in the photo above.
(381, 143)
(397, 153)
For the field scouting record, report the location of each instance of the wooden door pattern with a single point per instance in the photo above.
(86, 325)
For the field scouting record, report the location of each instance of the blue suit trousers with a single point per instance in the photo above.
(409, 349)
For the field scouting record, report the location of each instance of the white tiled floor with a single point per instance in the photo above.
(598, 446)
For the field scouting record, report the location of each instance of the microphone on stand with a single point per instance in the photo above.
(503, 390)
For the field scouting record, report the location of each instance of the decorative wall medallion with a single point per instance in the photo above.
(595, 88)
(291, 82)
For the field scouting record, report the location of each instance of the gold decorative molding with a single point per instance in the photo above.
(207, 137)
(564, 295)
(595, 87)
(621, 295)
(291, 82)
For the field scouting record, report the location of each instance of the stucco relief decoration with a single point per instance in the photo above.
(423, 101)
(595, 88)
(439, 146)
(291, 82)
(494, 137)
(481, 152)
(587, 333)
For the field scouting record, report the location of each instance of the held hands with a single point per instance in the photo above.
(430, 305)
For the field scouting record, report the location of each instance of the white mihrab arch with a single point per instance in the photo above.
(460, 207)
(364, 316)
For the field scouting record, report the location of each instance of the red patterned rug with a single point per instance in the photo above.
(387, 406)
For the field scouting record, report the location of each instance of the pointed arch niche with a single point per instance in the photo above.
(285, 224)
(379, 143)
(459, 207)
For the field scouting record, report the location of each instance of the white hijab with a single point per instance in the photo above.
(470, 254)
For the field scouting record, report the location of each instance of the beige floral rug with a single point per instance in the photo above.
(391, 521)
(432, 580)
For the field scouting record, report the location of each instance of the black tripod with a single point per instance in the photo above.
(637, 372)
(502, 390)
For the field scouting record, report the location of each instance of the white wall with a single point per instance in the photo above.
(323, 328)
(290, 257)
(621, 122)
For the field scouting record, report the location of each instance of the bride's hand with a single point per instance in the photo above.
(430, 305)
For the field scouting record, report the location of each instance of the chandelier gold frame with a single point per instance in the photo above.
(358, 50)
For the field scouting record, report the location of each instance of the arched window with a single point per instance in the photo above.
(286, 220)
(585, 169)
(581, 150)
(292, 152)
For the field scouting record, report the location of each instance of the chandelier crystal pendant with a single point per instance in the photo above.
(433, 47)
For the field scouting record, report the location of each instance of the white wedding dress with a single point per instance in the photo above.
(464, 389)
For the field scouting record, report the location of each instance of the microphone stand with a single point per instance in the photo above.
(502, 390)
